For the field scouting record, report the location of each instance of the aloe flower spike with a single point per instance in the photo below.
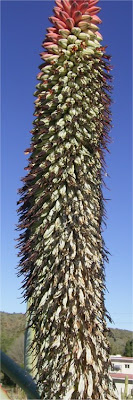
(62, 209)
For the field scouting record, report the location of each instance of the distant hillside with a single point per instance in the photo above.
(119, 339)
(12, 337)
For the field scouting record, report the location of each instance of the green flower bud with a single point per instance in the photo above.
(88, 51)
(76, 31)
(63, 43)
(72, 38)
(64, 32)
(83, 36)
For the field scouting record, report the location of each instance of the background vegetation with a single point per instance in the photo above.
(12, 338)
(12, 343)
(12, 335)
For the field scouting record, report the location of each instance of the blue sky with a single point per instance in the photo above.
(24, 26)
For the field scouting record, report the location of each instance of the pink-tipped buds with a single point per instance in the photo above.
(69, 15)
(59, 24)
(94, 10)
(99, 36)
(39, 75)
(48, 56)
(74, 8)
(93, 2)
(51, 29)
(70, 23)
(59, 3)
(96, 19)
(53, 37)
(77, 16)
(84, 7)
(66, 6)
(52, 47)
(63, 16)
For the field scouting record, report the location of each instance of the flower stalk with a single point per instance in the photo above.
(62, 208)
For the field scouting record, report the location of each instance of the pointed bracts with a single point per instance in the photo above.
(62, 208)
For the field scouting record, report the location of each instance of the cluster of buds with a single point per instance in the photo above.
(74, 23)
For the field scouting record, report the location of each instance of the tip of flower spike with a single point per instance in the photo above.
(93, 2)
(70, 18)
(69, 13)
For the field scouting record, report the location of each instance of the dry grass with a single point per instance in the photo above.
(15, 393)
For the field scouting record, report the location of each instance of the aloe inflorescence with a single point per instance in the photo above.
(62, 208)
